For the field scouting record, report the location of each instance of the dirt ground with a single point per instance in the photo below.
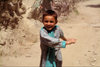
(83, 26)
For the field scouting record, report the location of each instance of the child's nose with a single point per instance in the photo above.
(48, 23)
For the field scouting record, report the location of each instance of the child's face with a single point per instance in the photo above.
(49, 22)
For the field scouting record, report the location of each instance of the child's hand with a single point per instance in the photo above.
(70, 41)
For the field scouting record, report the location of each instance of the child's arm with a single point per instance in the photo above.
(68, 41)
(50, 41)
(63, 38)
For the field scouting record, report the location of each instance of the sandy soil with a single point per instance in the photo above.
(84, 26)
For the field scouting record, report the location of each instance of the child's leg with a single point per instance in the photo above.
(58, 59)
(58, 63)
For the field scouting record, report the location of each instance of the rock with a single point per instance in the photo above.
(9, 10)
(3, 43)
(61, 7)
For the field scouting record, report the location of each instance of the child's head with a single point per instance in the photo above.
(49, 19)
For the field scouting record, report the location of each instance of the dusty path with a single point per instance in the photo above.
(85, 27)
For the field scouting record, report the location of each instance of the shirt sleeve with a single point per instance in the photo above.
(50, 41)
(61, 33)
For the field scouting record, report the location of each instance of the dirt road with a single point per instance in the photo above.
(85, 27)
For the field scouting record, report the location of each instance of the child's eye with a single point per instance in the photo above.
(45, 21)
(51, 21)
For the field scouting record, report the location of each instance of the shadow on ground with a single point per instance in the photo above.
(94, 6)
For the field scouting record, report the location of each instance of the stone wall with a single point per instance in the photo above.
(10, 13)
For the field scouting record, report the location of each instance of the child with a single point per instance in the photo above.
(50, 42)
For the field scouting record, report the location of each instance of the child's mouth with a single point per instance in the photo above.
(49, 26)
